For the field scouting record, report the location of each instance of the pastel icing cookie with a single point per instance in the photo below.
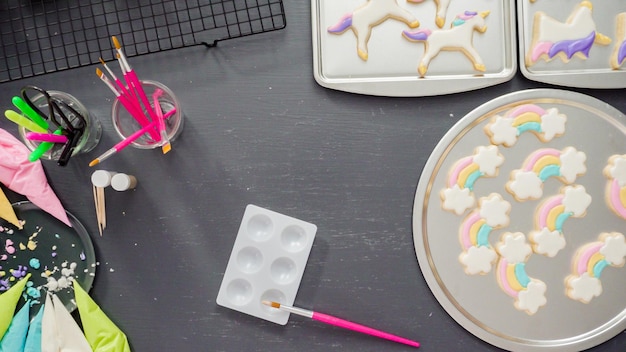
(575, 36)
(492, 213)
(529, 293)
(369, 15)
(545, 124)
(551, 215)
(589, 261)
(615, 171)
(459, 37)
(459, 194)
(619, 51)
(513, 247)
(442, 9)
(566, 165)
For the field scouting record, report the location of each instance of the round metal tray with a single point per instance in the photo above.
(476, 301)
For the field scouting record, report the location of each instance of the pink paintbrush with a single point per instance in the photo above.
(328, 319)
(133, 81)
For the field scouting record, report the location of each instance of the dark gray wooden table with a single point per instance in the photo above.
(259, 130)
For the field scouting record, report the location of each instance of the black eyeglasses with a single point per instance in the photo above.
(70, 122)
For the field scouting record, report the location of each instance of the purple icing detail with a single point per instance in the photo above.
(467, 15)
(571, 47)
(422, 34)
(344, 23)
(621, 53)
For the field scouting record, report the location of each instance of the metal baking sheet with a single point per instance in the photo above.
(477, 302)
(566, 61)
(391, 65)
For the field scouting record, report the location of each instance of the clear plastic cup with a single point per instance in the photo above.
(87, 142)
(125, 124)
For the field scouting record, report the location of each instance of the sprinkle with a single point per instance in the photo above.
(82, 256)
(34, 263)
(54, 254)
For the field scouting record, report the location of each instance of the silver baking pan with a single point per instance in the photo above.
(413, 47)
(574, 43)
(557, 319)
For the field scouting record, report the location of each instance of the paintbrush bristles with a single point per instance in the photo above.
(116, 42)
(271, 304)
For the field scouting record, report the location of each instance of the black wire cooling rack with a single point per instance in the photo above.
(38, 37)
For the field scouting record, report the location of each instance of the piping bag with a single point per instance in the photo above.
(26, 177)
(15, 337)
(8, 303)
(100, 331)
(59, 331)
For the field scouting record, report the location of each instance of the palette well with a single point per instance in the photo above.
(266, 264)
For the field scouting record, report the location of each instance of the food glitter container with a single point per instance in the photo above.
(92, 130)
(515, 218)
(573, 43)
(125, 124)
(267, 263)
(413, 48)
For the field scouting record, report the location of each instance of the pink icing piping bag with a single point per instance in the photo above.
(26, 177)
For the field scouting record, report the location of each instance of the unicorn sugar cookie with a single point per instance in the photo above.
(369, 15)
(619, 51)
(550, 216)
(442, 9)
(459, 37)
(574, 37)
(590, 260)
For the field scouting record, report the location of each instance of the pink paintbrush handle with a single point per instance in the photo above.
(328, 319)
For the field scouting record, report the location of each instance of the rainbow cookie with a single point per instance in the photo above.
(615, 171)
(459, 37)
(369, 15)
(529, 293)
(478, 255)
(590, 260)
(459, 194)
(619, 51)
(442, 9)
(576, 36)
(566, 165)
(545, 124)
(550, 216)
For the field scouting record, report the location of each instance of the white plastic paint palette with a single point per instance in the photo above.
(267, 263)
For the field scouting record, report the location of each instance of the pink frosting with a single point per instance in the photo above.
(544, 211)
(540, 49)
(538, 155)
(504, 283)
(27, 178)
(583, 258)
(527, 108)
(467, 225)
(616, 201)
(461, 164)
